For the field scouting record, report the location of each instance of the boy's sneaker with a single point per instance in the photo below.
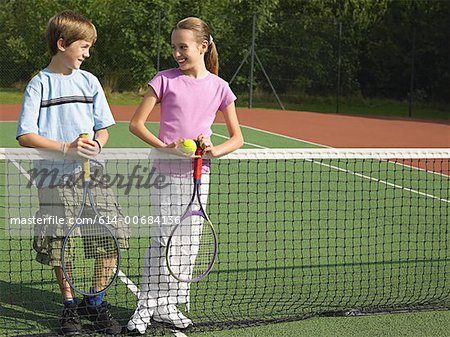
(100, 316)
(70, 321)
(171, 315)
(140, 320)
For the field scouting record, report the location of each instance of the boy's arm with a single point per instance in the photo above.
(83, 147)
(102, 137)
(34, 140)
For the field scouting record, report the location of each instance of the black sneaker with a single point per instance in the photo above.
(100, 316)
(70, 321)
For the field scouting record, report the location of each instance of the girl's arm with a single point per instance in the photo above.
(234, 142)
(137, 124)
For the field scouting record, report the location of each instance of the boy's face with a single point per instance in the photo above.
(74, 54)
(186, 51)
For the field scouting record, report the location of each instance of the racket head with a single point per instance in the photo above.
(190, 240)
(90, 258)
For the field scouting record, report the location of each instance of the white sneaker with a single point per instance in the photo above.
(140, 320)
(171, 315)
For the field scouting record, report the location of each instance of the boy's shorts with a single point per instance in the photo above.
(60, 205)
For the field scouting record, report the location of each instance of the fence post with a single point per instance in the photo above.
(252, 62)
(252, 51)
(413, 55)
(339, 62)
(159, 41)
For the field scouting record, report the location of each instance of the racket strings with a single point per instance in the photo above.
(206, 252)
(192, 249)
(90, 257)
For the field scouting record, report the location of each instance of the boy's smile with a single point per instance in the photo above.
(73, 55)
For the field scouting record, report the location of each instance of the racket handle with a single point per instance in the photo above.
(198, 163)
(86, 165)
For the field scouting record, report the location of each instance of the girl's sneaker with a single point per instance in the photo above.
(140, 320)
(171, 315)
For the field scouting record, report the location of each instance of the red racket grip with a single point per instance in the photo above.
(198, 163)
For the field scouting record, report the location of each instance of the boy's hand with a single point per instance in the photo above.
(87, 148)
(83, 147)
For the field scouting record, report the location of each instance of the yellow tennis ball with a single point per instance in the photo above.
(188, 146)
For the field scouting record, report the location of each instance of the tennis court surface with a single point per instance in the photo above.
(303, 231)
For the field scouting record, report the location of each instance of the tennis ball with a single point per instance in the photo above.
(188, 146)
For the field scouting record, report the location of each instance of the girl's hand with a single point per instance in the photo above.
(174, 145)
(206, 145)
(174, 148)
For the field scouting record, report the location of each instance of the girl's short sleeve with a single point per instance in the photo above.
(228, 97)
(156, 83)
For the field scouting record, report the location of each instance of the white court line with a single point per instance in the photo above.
(130, 285)
(270, 133)
(329, 147)
(362, 175)
(383, 182)
(284, 136)
(251, 144)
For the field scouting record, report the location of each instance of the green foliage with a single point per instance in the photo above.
(297, 41)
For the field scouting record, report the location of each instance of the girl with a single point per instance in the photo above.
(190, 96)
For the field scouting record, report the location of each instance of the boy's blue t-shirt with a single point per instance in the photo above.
(60, 107)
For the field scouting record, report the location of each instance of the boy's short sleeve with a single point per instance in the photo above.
(103, 117)
(29, 114)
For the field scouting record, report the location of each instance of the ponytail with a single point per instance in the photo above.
(212, 59)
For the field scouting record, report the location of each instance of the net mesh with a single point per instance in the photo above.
(301, 233)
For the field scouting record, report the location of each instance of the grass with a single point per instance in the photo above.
(317, 262)
(432, 324)
(120, 131)
(124, 98)
(11, 96)
(351, 106)
(429, 324)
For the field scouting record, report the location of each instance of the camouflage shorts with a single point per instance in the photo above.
(64, 202)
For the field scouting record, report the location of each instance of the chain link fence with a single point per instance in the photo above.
(286, 61)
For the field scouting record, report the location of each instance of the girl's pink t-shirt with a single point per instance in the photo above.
(189, 105)
(188, 109)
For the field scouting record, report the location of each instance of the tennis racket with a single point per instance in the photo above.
(192, 248)
(90, 252)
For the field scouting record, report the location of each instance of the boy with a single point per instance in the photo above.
(60, 103)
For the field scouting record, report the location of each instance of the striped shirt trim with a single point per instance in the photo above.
(67, 100)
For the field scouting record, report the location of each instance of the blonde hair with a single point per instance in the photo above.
(70, 27)
(201, 32)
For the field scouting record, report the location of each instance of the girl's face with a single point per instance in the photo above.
(187, 52)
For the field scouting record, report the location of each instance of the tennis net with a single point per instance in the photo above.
(302, 232)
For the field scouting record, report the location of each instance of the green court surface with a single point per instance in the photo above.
(360, 265)
(120, 137)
